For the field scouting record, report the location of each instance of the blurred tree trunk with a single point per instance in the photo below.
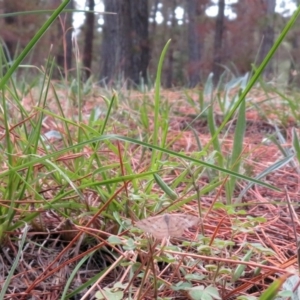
(125, 45)
(170, 53)
(65, 30)
(153, 13)
(9, 37)
(217, 69)
(109, 50)
(88, 39)
(194, 54)
(267, 34)
(140, 36)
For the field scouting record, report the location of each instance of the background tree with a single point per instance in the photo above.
(64, 36)
(194, 47)
(125, 44)
(88, 38)
(243, 35)
(169, 70)
(217, 59)
(10, 22)
(267, 33)
(16, 31)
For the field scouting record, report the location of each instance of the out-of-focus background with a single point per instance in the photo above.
(207, 36)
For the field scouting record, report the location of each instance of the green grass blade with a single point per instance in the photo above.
(32, 42)
(237, 150)
(296, 144)
(134, 141)
(277, 165)
(172, 194)
(15, 264)
(110, 106)
(273, 289)
(257, 73)
(241, 268)
(212, 129)
(74, 273)
(157, 120)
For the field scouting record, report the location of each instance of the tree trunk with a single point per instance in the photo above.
(65, 30)
(140, 38)
(125, 45)
(268, 35)
(109, 51)
(10, 39)
(193, 43)
(217, 69)
(153, 13)
(88, 39)
(170, 53)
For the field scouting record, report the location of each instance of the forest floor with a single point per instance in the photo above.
(241, 247)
